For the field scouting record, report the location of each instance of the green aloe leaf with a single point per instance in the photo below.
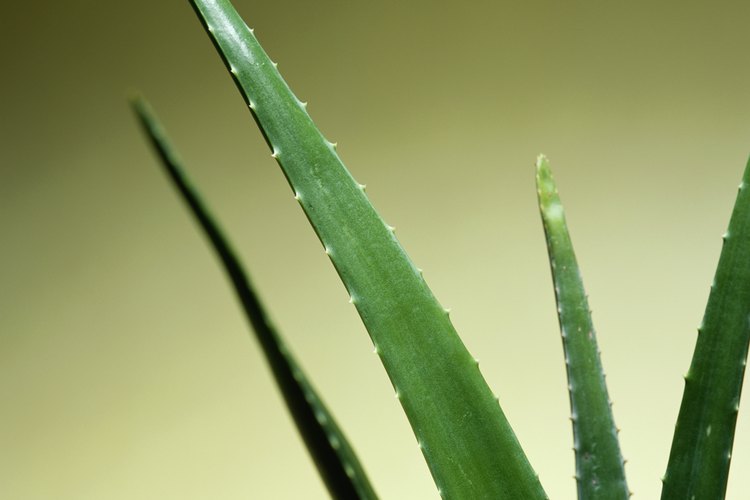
(469, 446)
(333, 455)
(600, 471)
(698, 464)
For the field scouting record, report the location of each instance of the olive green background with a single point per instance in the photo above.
(126, 369)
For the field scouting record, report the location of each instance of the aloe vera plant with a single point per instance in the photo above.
(467, 442)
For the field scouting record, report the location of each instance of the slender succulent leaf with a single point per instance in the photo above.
(600, 471)
(469, 446)
(698, 464)
(331, 452)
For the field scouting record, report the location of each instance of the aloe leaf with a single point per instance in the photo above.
(333, 455)
(600, 471)
(698, 464)
(468, 444)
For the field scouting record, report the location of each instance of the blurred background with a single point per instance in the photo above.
(126, 368)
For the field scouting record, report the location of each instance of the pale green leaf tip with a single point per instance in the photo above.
(545, 182)
(542, 162)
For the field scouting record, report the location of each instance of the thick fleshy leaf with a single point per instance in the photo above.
(467, 442)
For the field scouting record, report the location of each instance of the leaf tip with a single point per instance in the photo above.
(545, 183)
(542, 161)
(137, 102)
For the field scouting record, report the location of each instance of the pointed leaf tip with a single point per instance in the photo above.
(141, 107)
(542, 161)
(545, 184)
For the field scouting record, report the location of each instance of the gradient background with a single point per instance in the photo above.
(126, 370)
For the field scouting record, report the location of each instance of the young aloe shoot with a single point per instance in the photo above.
(600, 471)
